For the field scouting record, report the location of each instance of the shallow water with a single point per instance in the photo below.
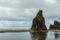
(30, 36)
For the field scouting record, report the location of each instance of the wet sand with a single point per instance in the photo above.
(26, 31)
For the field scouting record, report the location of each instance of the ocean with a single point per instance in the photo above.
(30, 36)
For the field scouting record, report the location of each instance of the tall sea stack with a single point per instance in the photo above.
(38, 23)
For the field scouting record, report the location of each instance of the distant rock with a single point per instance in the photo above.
(56, 25)
(38, 23)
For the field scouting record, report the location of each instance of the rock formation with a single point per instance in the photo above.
(39, 22)
(56, 25)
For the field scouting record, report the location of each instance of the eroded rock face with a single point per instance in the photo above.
(56, 25)
(39, 22)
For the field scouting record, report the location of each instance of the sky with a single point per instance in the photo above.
(20, 13)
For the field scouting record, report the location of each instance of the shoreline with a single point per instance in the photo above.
(3, 31)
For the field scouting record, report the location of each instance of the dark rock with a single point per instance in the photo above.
(56, 25)
(39, 22)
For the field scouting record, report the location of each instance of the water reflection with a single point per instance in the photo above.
(57, 35)
(30, 36)
(15, 36)
(38, 36)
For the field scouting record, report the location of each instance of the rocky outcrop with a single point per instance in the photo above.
(39, 22)
(56, 25)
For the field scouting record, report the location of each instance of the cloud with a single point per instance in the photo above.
(11, 1)
(51, 1)
(14, 24)
(5, 11)
(26, 10)
(16, 14)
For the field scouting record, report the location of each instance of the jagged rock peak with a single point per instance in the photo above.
(38, 23)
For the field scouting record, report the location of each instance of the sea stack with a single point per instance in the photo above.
(55, 26)
(38, 23)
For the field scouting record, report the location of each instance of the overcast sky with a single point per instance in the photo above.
(25, 10)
